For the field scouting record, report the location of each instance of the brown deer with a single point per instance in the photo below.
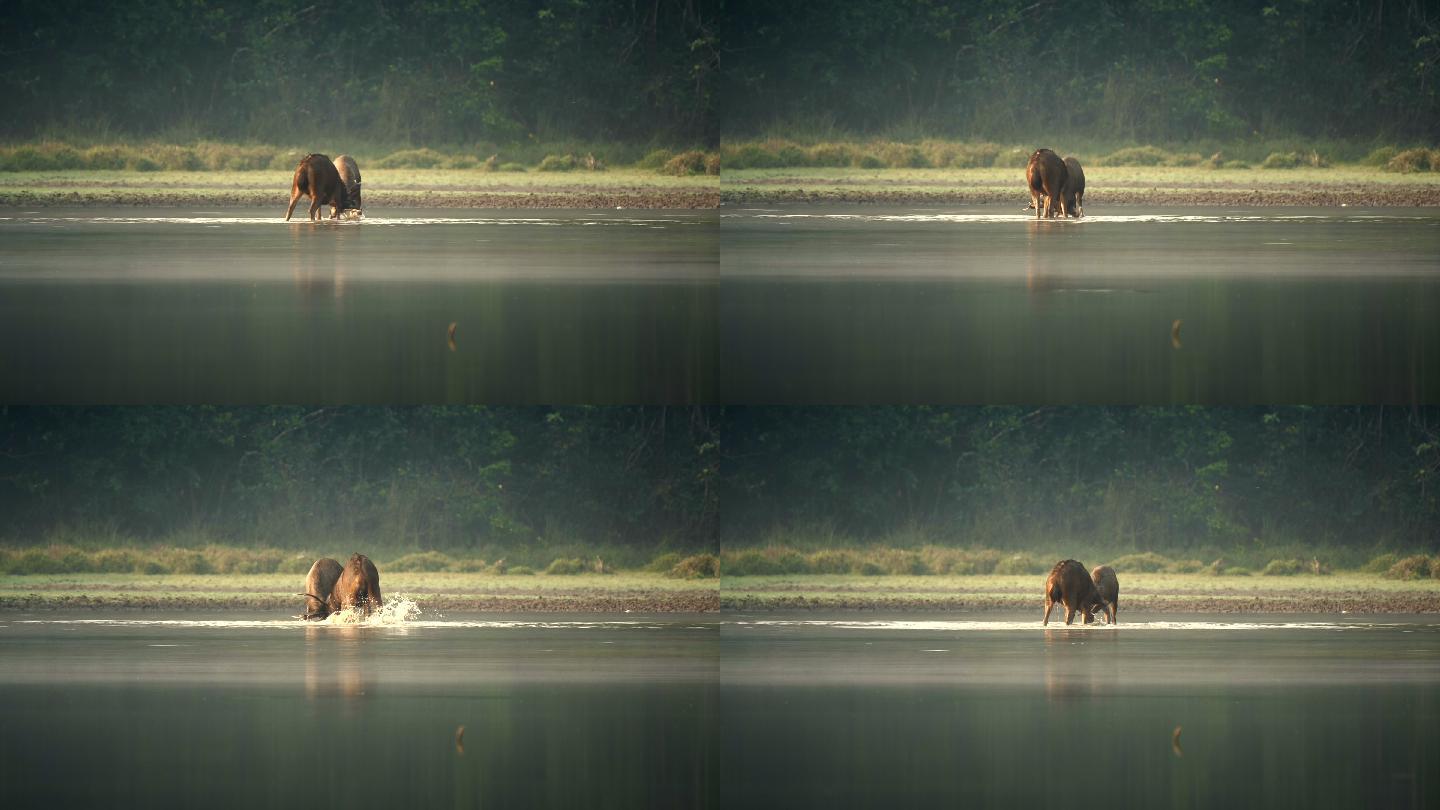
(1070, 584)
(317, 179)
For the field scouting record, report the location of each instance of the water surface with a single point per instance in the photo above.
(209, 711)
(1312, 712)
(113, 306)
(980, 304)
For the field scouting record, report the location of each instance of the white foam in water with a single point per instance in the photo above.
(782, 218)
(651, 222)
(1123, 626)
(397, 610)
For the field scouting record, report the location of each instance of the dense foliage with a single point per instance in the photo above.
(1165, 479)
(1115, 69)
(458, 478)
(396, 71)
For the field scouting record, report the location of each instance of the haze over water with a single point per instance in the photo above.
(1278, 712)
(111, 306)
(210, 710)
(1130, 305)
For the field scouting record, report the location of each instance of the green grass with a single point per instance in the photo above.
(936, 153)
(931, 560)
(215, 156)
(218, 559)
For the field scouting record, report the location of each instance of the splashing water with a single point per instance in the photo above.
(397, 610)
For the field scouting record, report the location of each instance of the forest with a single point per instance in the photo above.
(1168, 479)
(399, 72)
(1112, 71)
(481, 480)
(467, 479)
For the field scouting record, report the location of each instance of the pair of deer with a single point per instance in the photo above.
(1069, 584)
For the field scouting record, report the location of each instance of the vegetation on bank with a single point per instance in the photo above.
(930, 560)
(1141, 70)
(232, 560)
(216, 156)
(931, 153)
(527, 484)
(404, 71)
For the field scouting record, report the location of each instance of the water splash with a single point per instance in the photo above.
(396, 611)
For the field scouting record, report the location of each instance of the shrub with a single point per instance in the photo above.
(35, 561)
(1282, 160)
(557, 163)
(901, 562)
(183, 561)
(409, 159)
(1235, 164)
(868, 568)
(901, 156)
(1381, 156)
(424, 561)
(470, 565)
(1414, 160)
(832, 562)
(512, 167)
(663, 563)
(520, 571)
(295, 564)
(114, 561)
(1012, 159)
(565, 567)
(491, 164)
(1283, 568)
(1414, 567)
(1135, 156)
(1020, 564)
(1381, 563)
(699, 566)
(654, 159)
(1186, 567)
(1147, 562)
(832, 155)
(712, 164)
(685, 164)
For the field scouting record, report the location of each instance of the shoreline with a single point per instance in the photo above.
(651, 200)
(1149, 593)
(656, 602)
(1376, 196)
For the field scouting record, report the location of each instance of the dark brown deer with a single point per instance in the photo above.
(359, 586)
(1070, 584)
(1073, 192)
(1045, 176)
(317, 179)
(349, 172)
(1108, 586)
(319, 584)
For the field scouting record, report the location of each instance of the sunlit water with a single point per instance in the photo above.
(114, 306)
(1313, 712)
(982, 304)
(215, 710)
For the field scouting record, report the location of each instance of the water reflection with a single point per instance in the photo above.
(1222, 308)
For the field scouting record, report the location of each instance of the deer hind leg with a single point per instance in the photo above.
(314, 208)
(294, 198)
(1048, 605)
(1069, 614)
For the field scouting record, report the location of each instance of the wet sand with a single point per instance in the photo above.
(1359, 195)
(1290, 596)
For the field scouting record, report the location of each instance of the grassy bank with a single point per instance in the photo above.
(1149, 593)
(947, 561)
(224, 560)
(218, 156)
(384, 188)
(1357, 186)
(432, 591)
(931, 153)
